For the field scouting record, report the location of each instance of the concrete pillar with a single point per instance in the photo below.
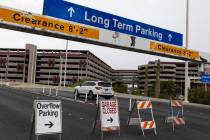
(31, 63)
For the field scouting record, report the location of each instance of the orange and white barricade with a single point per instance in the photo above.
(145, 116)
(142, 106)
(176, 114)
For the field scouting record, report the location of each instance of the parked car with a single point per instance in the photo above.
(92, 88)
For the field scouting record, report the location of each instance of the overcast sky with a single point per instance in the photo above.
(167, 14)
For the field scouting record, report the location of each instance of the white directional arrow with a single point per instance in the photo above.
(71, 11)
(169, 37)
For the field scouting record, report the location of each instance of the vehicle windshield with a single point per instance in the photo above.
(104, 84)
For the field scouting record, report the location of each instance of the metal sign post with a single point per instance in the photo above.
(32, 125)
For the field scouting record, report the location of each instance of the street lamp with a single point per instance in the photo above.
(66, 59)
(61, 71)
(186, 63)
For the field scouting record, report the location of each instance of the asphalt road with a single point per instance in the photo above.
(16, 109)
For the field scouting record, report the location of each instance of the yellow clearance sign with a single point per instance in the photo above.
(167, 49)
(39, 21)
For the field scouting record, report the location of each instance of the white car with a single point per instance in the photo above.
(92, 88)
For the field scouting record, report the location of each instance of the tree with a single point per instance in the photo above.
(120, 87)
(168, 89)
(157, 83)
(146, 81)
(199, 95)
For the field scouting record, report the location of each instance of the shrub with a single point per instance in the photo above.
(136, 92)
(121, 88)
(168, 89)
(199, 95)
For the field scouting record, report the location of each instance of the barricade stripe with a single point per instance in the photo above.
(176, 121)
(149, 104)
(176, 103)
(173, 103)
(142, 105)
(179, 103)
(145, 124)
(148, 124)
(181, 120)
(152, 124)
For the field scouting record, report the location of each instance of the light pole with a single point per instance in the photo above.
(64, 84)
(61, 71)
(186, 63)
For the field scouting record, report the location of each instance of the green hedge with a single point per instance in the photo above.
(121, 88)
(168, 89)
(199, 95)
(136, 92)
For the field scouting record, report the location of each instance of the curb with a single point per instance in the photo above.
(128, 96)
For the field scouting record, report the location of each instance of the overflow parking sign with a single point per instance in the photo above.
(48, 117)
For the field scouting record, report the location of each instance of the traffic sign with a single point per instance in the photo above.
(48, 117)
(48, 26)
(205, 78)
(167, 49)
(109, 114)
(88, 16)
(35, 21)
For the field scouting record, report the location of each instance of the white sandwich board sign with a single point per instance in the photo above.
(48, 117)
(109, 115)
